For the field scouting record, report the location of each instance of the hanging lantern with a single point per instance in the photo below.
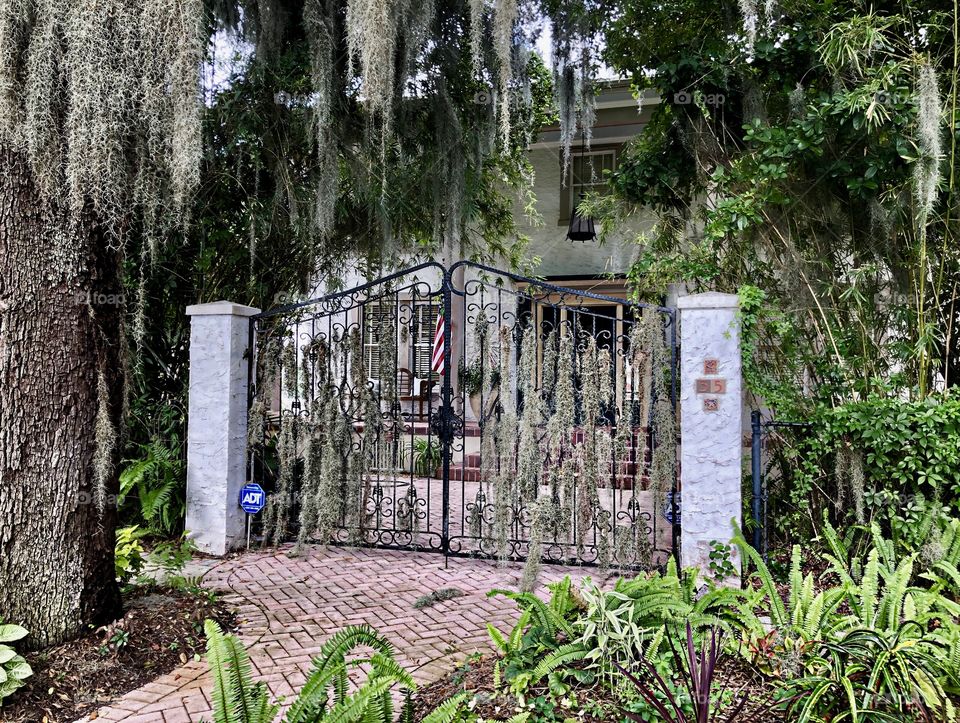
(581, 227)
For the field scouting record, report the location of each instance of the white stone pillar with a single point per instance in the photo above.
(217, 424)
(710, 424)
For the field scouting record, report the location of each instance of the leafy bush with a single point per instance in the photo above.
(324, 696)
(879, 460)
(14, 669)
(878, 641)
(625, 625)
(582, 635)
(541, 629)
(129, 554)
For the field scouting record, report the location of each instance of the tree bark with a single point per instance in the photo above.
(60, 327)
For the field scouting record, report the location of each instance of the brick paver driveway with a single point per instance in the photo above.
(289, 606)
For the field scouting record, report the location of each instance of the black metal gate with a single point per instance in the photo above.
(469, 411)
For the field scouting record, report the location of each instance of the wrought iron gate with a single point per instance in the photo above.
(469, 411)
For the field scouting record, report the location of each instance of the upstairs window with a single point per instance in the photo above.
(587, 174)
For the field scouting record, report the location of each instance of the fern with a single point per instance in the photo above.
(564, 655)
(547, 618)
(236, 699)
(868, 589)
(497, 637)
(778, 612)
(446, 711)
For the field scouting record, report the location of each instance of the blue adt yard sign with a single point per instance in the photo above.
(252, 498)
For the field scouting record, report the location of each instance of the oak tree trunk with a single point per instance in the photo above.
(60, 327)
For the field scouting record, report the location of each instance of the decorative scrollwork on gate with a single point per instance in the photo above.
(469, 411)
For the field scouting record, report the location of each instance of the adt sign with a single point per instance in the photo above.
(252, 498)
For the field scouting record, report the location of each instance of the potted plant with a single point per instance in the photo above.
(471, 383)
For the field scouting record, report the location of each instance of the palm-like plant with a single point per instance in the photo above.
(325, 696)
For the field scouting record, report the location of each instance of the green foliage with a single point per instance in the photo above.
(326, 695)
(540, 630)
(158, 480)
(721, 565)
(14, 669)
(129, 553)
(426, 456)
(797, 149)
(884, 460)
(582, 635)
(874, 589)
(872, 675)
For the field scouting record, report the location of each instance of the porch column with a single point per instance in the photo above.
(710, 424)
(217, 424)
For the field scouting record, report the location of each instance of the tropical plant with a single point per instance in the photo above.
(873, 675)
(426, 456)
(698, 673)
(806, 614)
(325, 695)
(541, 629)
(14, 669)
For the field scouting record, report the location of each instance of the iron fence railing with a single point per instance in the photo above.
(759, 503)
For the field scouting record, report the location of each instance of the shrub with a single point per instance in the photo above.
(879, 460)
(129, 555)
(14, 669)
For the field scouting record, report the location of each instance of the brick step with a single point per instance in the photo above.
(624, 480)
(473, 461)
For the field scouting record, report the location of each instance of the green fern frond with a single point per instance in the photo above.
(497, 637)
(796, 582)
(355, 706)
(778, 611)
(446, 711)
(869, 586)
(834, 543)
(564, 655)
(236, 699)
(386, 666)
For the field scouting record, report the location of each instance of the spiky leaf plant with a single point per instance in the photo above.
(697, 670)
(873, 675)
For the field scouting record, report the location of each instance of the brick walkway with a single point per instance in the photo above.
(289, 606)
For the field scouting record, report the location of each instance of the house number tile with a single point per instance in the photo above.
(711, 386)
(711, 366)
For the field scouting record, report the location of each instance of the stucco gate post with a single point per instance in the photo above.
(217, 424)
(710, 424)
